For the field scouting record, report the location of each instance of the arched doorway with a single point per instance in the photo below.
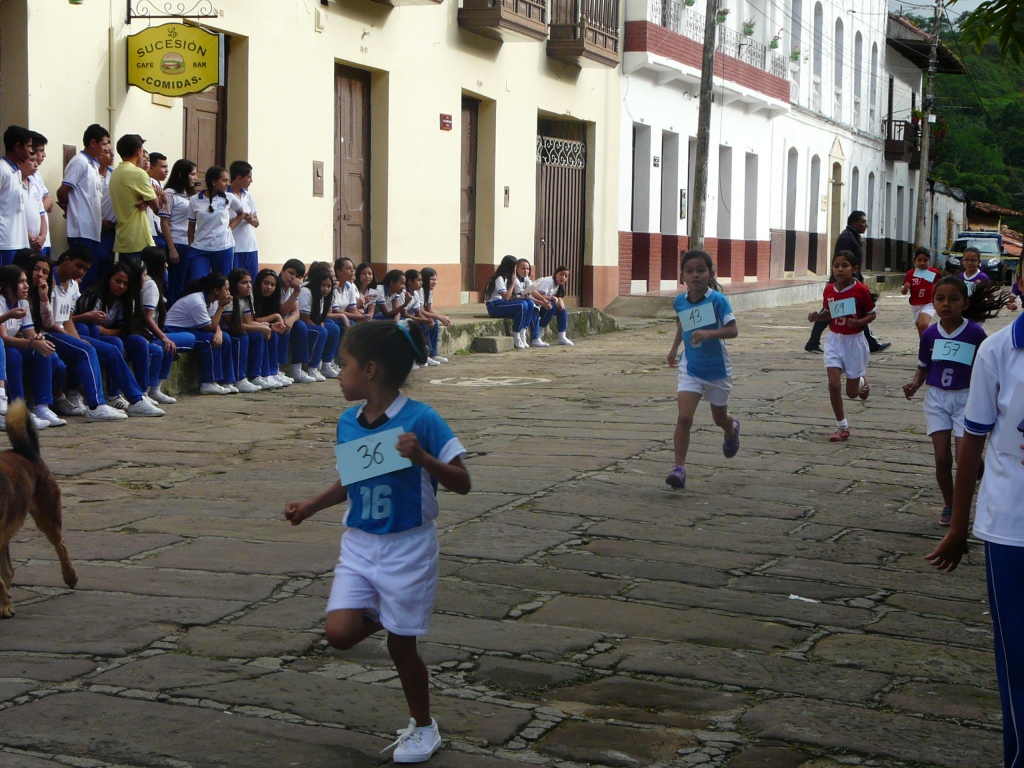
(835, 218)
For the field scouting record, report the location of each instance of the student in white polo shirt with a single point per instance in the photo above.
(32, 204)
(995, 408)
(81, 192)
(39, 143)
(247, 255)
(13, 229)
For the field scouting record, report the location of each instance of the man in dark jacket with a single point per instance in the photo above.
(848, 240)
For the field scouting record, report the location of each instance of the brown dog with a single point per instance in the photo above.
(27, 487)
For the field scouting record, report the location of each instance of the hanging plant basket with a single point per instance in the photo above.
(773, 43)
(723, 14)
(795, 56)
(748, 31)
(689, 3)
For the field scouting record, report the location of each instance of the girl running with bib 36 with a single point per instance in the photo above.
(392, 453)
(704, 320)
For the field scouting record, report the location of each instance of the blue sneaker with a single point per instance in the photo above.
(731, 446)
(677, 478)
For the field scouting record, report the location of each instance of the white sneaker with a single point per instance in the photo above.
(415, 366)
(44, 413)
(285, 378)
(118, 401)
(282, 380)
(415, 744)
(144, 408)
(330, 370)
(38, 422)
(263, 383)
(3, 402)
(64, 407)
(564, 340)
(77, 401)
(315, 373)
(159, 397)
(212, 388)
(518, 341)
(231, 388)
(301, 377)
(539, 342)
(104, 412)
(441, 359)
(432, 361)
(247, 387)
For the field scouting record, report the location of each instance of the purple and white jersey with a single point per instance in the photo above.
(949, 357)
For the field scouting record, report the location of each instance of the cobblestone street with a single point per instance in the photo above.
(777, 613)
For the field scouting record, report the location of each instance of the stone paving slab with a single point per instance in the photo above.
(586, 613)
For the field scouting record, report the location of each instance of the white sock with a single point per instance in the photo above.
(843, 423)
(861, 383)
(561, 334)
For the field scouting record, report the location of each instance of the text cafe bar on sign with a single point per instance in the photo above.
(175, 59)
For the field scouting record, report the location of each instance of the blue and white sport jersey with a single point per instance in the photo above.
(406, 499)
(710, 359)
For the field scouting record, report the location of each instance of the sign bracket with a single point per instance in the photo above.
(171, 9)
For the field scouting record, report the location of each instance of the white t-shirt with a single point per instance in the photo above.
(177, 203)
(524, 286)
(286, 294)
(62, 301)
(344, 297)
(15, 325)
(162, 211)
(106, 204)
(150, 294)
(245, 233)
(32, 202)
(245, 302)
(212, 230)
(995, 407)
(500, 286)
(190, 311)
(36, 180)
(85, 198)
(389, 302)
(417, 301)
(13, 227)
(114, 314)
(547, 286)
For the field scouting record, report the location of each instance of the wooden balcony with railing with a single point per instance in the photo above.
(585, 32)
(505, 20)
(900, 140)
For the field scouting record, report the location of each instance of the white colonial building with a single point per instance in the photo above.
(813, 117)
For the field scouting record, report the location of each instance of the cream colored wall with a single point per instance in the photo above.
(422, 61)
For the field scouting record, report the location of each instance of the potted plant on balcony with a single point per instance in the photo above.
(723, 14)
(689, 3)
(774, 42)
(748, 27)
(794, 55)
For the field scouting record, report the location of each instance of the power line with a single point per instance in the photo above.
(960, 53)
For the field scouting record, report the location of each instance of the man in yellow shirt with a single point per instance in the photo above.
(131, 194)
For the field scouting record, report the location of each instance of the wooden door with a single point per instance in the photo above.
(205, 128)
(467, 200)
(560, 231)
(352, 164)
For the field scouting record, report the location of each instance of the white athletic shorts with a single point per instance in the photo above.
(715, 392)
(394, 574)
(944, 410)
(918, 309)
(848, 352)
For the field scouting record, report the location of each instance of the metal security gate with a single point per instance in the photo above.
(561, 209)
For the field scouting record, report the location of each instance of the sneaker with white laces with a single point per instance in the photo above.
(284, 381)
(315, 373)
(301, 377)
(160, 398)
(64, 407)
(432, 361)
(415, 744)
(77, 401)
(285, 378)
(231, 388)
(104, 412)
(44, 413)
(118, 401)
(539, 342)
(263, 383)
(246, 387)
(330, 370)
(518, 341)
(441, 359)
(39, 423)
(565, 341)
(212, 388)
(144, 408)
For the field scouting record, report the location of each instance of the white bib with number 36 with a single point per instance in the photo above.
(701, 316)
(843, 307)
(954, 351)
(370, 456)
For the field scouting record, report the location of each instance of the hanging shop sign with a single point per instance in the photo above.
(175, 59)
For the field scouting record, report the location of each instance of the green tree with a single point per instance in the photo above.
(999, 20)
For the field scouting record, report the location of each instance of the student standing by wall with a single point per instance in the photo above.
(81, 192)
(133, 198)
(247, 255)
(13, 229)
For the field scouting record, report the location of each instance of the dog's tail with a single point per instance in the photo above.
(21, 431)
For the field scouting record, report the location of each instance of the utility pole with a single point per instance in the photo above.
(927, 104)
(700, 171)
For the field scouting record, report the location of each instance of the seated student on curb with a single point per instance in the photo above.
(154, 312)
(414, 311)
(314, 305)
(393, 299)
(366, 287)
(266, 303)
(291, 281)
(501, 301)
(346, 294)
(553, 288)
(429, 275)
(247, 335)
(26, 350)
(82, 357)
(191, 314)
